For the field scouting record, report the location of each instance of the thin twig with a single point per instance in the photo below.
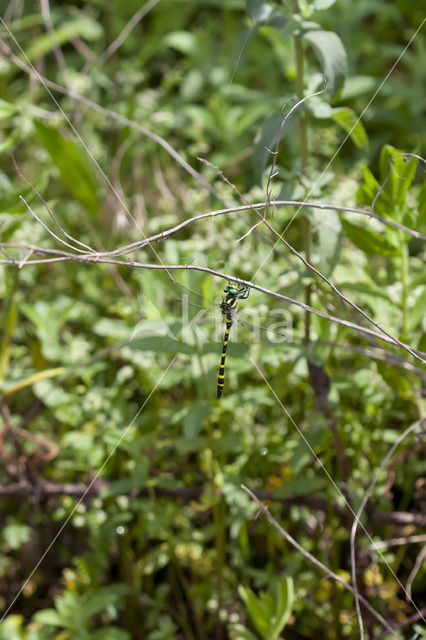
(419, 561)
(395, 542)
(101, 259)
(73, 95)
(38, 194)
(57, 51)
(315, 561)
(137, 17)
(310, 266)
(362, 507)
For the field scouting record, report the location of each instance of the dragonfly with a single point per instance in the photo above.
(234, 292)
(228, 308)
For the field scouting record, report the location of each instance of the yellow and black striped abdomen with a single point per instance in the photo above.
(221, 376)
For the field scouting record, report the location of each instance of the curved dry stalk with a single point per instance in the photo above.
(73, 95)
(310, 266)
(396, 542)
(128, 28)
(280, 133)
(40, 221)
(419, 561)
(316, 562)
(362, 507)
(62, 256)
(38, 194)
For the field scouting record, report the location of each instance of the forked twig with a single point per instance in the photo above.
(362, 507)
(317, 562)
(309, 265)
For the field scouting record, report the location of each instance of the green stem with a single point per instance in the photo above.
(303, 139)
(303, 130)
(404, 282)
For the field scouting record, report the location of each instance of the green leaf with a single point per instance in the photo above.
(194, 418)
(83, 27)
(329, 239)
(348, 120)
(418, 310)
(9, 142)
(257, 611)
(7, 109)
(16, 534)
(357, 86)
(48, 616)
(284, 605)
(396, 380)
(265, 139)
(331, 55)
(300, 486)
(74, 168)
(370, 242)
(401, 174)
(183, 41)
(319, 5)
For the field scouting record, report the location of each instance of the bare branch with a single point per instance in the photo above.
(101, 259)
(311, 267)
(362, 507)
(316, 562)
(73, 95)
(419, 561)
(38, 194)
(137, 17)
(395, 542)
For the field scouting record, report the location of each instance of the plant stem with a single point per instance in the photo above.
(303, 139)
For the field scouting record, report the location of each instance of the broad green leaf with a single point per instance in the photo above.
(367, 191)
(421, 202)
(319, 5)
(9, 142)
(264, 142)
(418, 310)
(300, 486)
(329, 239)
(183, 41)
(194, 417)
(331, 55)
(284, 605)
(348, 120)
(370, 242)
(76, 172)
(83, 27)
(257, 611)
(7, 109)
(396, 379)
(16, 534)
(48, 616)
(356, 86)
(401, 174)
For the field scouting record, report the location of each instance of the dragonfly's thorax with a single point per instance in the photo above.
(229, 305)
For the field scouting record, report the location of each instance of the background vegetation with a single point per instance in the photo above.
(122, 511)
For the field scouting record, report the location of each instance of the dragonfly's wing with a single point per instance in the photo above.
(207, 302)
(253, 327)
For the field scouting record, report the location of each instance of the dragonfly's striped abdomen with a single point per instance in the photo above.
(228, 308)
(221, 376)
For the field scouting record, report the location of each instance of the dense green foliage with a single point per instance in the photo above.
(98, 375)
